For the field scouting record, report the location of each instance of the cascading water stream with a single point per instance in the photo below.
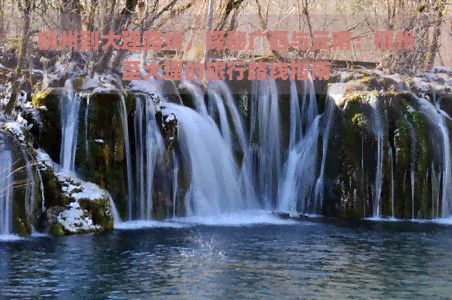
(296, 186)
(435, 179)
(296, 119)
(446, 176)
(299, 178)
(334, 93)
(125, 128)
(175, 173)
(265, 123)
(198, 96)
(412, 165)
(225, 130)
(239, 129)
(86, 126)
(214, 186)
(70, 121)
(378, 130)
(69, 118)
(6, 189)
(441, 183)
(148, 144)
(391, 162)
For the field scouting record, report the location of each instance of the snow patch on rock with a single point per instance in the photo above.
(16, 129)
(76, 219)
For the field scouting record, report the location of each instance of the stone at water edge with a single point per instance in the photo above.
(77, 206)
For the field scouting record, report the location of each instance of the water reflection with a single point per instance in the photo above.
(299, 261)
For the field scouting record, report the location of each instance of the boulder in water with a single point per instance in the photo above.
(73, 206)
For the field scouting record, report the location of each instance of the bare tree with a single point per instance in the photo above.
(25, 7)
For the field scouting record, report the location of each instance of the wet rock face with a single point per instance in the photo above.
(411, 146)
(25, 187)
(168, 127)
(101, 149)
(47, 126)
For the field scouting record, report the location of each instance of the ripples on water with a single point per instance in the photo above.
(254, 261)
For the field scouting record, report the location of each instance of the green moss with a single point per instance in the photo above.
(21, 227)
(354, 99)
(365, 79)
(41, 97)
(100, 210)
(359, 119)
(57, 230)
(77, 83)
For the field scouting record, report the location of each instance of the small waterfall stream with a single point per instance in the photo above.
(69, 127)
(446, 176)
(442, 182)
(148, 145)
(6, 189)
(377, 126)
(125, 128)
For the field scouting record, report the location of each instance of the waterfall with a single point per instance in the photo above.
(447, 192)
(299, 175)
(198, 96)
(442, 182)
(225, 130)
(239, 129)
(148, 144)
(298, 188)
(114, 211)
(175, 173)
(125, 128)
(214, 186)
(265, 123)
(412, 165)
(69, 130)
(435, 191)
(312, 106)
(295, 117)
(334, 94)
(139, 158)
(86, 126)
(391, 162)
(6, 189)
(378, 130)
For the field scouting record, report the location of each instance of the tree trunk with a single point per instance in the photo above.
(22, 61)
(209, 28)
(119, 25)
(436, 35)
(71, 19)
(2, 27)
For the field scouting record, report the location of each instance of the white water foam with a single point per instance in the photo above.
(10, 238)
(243, 218)
(139, 224)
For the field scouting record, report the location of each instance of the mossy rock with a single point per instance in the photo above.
(57, 230)
(47, 102)
(26, 204)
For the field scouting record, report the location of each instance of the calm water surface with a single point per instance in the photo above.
(301, 260)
